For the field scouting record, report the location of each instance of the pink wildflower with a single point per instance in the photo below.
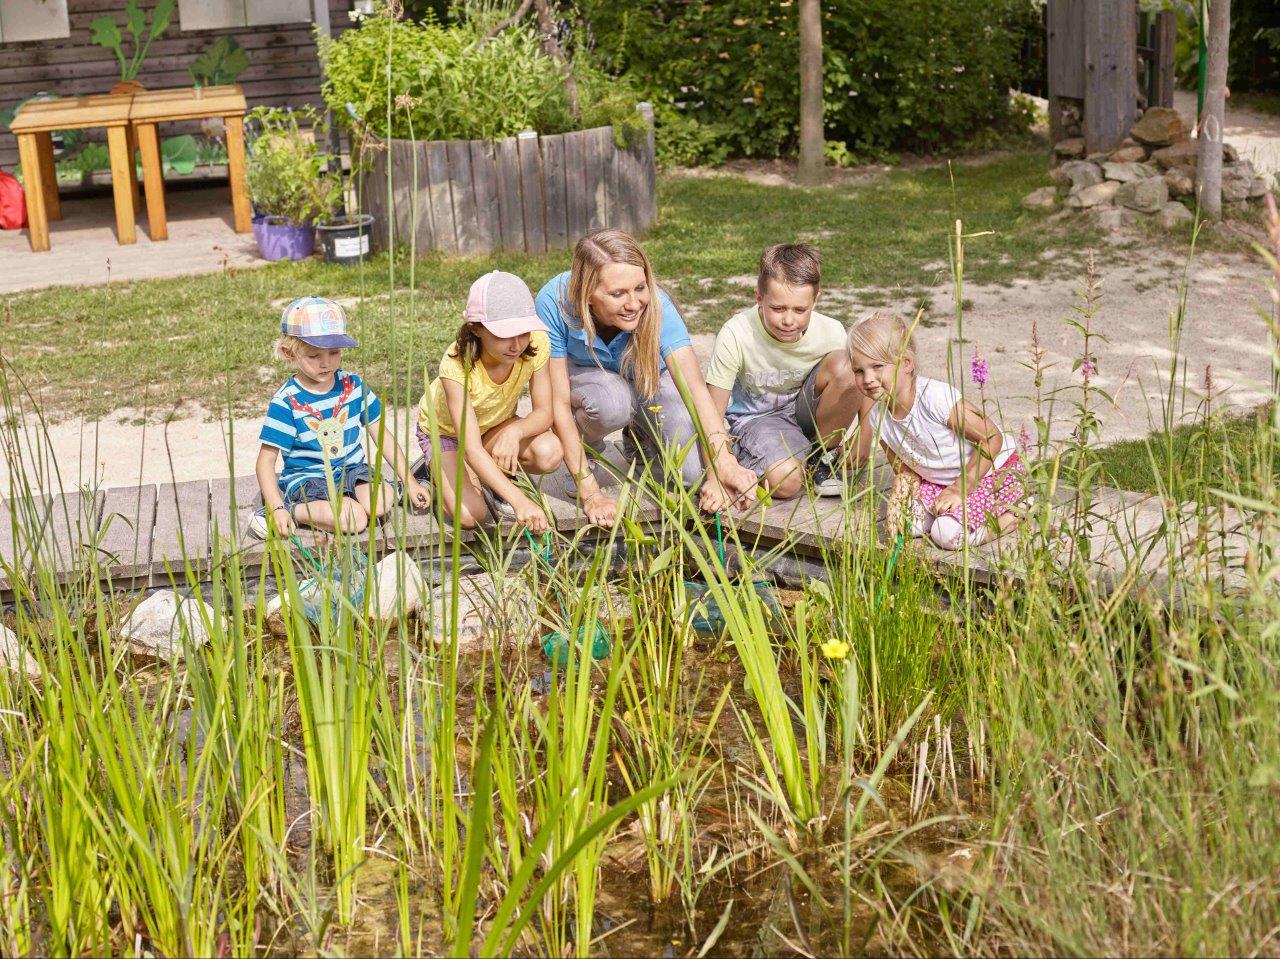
(978, 369)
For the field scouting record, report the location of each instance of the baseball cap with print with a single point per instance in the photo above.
(502, 303)
(317, 322)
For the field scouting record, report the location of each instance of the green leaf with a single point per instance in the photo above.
(160, 17)
(179, 153)
(221, 62)
(135, 20)
(104, 32)
(661, 561)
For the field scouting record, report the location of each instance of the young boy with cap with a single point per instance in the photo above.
(470, 408)
(315, 420)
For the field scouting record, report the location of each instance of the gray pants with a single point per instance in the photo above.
(604, 402)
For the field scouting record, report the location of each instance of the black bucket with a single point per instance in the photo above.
(346, 239)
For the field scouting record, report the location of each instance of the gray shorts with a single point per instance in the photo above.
(788, 432)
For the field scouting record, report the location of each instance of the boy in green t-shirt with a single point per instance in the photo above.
(775, 375)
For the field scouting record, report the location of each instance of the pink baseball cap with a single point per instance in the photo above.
(502, 303)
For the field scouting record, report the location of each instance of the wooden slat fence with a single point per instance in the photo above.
(530, 192)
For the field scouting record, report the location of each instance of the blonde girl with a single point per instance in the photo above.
(617, 345)
(966, 472)
(501, 348)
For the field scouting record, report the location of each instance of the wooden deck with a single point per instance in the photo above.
(158, 535)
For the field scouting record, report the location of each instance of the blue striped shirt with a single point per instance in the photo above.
(296, 430)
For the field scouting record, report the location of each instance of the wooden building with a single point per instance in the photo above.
(45, 47)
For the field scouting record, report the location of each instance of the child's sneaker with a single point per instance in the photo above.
(258, 525)
(499, 507)
(826, 477)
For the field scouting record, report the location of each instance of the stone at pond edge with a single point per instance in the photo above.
(1174, 215)
(1187, 153)
(1145, 196)
(398, 587)
(1071, 147)
(1094, 195)
(1045, 198)
(1160, 126)
(1128, 172)
(1181, 180)
(14, 656)
(156, 626)
(1133, 154)
(486, 610)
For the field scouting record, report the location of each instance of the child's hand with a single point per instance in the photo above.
(601, 510)
(946, 501)
(505, 448)
(419, 495)
(713, 497)
(282, 519)
(530, 515)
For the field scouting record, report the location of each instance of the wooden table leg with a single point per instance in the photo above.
(49, 176)
(131, 141)
(240, 207)
(37, 225)
(121, 174)
(152, 179)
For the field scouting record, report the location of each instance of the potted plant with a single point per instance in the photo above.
(287, 174)
(105, 32)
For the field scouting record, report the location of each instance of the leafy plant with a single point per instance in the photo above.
(221, 62)
(286, 171)
(179, 154)
(106, 33)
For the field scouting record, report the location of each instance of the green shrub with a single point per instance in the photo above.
(286, 171)
(445, 83)
(898, 74)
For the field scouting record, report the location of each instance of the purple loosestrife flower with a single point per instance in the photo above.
(978, 369)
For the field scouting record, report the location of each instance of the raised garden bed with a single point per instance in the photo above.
(532, 193)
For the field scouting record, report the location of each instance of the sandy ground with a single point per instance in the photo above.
(1224, 329)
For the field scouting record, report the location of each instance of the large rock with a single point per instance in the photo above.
(1181, 180)
(1128, 172)
(14, 656)
(1107, 218)
(1077, 174)
(1186, 153)
(1235, 190)
(1133, 154)
(397, 585)
(1071, 147)
(1174, 215)
(1145, 196)
(1161, 126)
(1095, 195)
(1263, 184)
(156, 626)
(1045, 198)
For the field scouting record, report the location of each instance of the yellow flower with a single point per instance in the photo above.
(655, 408)
(835, 649)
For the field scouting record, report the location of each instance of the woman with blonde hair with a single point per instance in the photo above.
(618, 349)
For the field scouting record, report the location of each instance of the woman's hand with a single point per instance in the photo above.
(529, 514)
(505, 447)
(601, 509)
(419, 495)
(282, 519)
(948, 500)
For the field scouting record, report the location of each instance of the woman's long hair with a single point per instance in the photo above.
(641, 358)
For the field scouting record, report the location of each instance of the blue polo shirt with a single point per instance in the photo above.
(569, 339)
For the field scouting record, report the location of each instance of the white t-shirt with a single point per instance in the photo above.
(761, 373)
(922, 439)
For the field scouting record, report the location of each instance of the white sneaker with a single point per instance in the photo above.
(826, 477)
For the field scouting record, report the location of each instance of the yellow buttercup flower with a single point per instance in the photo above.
(835, 649)
(655, 408)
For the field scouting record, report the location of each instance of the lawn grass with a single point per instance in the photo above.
(157, 344)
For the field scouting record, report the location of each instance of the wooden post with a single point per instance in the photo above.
(1166, 38)
(813, 145)
(1111, 73)
(152, 180)
(240, 207)
(122, 183)
(1209, 167)
(33, 187)
(646, 206)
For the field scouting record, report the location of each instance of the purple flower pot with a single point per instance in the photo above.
(280, 239)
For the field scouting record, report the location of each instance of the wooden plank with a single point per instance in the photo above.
(242, 211)
(1110, 72)
(121, 179)
(617, 212)
(128, 517)
(1064, 28)
(510, 217)
(33, 190)
(484, 179)
(107, 110)
(68, 522)
(554, 190)
(629, 164)
(153, 180)
(532, 206)
(445, 229)
(405, 528)
(412, 213)
(48, 176)
(646, 204)
(1166, 36)
(465, 215)
(181, 530)
(182, 103)
(371, 185)
(232, 503)
(575, 180)
(593, 179)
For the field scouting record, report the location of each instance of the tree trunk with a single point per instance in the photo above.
(813, 144)
(1209, 167)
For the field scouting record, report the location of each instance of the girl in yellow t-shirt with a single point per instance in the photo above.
(501, 348)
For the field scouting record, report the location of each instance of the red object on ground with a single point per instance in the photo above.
(13, 205)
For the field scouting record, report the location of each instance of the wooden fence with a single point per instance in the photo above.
(530, 192)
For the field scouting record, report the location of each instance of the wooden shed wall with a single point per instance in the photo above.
(283, 67)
